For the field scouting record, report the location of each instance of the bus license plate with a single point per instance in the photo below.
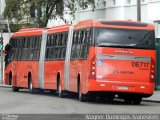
(122, 88)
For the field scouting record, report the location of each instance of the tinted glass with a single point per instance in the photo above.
(141, 39)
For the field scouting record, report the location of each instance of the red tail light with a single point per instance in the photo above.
(152, 79)
(93, 69)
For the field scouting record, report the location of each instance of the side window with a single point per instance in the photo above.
(24, 54)
(74, 45)
(85, 43)
(25, 48)
(13, 53)
(39, 39)
(64, 39)
(74, 37)
(54, 37)
(57, 39)
(36, 48)
(37, 42)
(60, 39)
(31, 42)
(25, 39)
(49, 40)
(57, 48)
(82, 39)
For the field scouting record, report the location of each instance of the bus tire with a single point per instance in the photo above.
(10, 78)
(137, 101)
(81, 97)
(30, 85)
(15, 89)
(60, 92)
(59, 88)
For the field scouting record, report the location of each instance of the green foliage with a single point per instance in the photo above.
(22, 11)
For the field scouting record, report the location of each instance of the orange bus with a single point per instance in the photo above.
(94, 58)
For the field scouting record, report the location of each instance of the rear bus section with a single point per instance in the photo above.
(122, 62)
(121, 72)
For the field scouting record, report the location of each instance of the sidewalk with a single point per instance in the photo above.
(7, 86)
(154, 98)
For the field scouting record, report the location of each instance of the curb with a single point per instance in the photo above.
(6, 86)
(155, 101)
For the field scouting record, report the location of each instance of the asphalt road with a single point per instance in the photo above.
(46, 103)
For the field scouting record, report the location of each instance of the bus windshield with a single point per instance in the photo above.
(126, 38)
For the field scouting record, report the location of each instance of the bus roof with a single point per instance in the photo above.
(29, 32)
(30, 29)
(61, 28)
(124, 24)
(38, 31)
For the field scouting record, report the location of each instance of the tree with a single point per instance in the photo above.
(41, 11)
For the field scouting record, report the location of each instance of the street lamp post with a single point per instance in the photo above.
(1, 47)
(138, 10)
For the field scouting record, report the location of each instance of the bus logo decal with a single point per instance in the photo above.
(100, 62)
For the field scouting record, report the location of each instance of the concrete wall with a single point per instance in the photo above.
(123, 10)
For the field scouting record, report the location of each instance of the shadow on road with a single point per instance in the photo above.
(73, 96)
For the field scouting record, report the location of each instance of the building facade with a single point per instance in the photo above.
(113, 10)
(123, 10)
(119, 10)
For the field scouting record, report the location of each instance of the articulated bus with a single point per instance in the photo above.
(94, 58)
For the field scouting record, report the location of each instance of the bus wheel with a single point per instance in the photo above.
(60, 92)
(30, 85)
(15, 89)
(81, 97)
(137, 101)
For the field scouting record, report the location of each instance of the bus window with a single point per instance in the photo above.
(53, 42)
(48, 41)
(8, 51)
(141, 39)
(64, 39)
(79, 38)
(25, 39)
(60, 39)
